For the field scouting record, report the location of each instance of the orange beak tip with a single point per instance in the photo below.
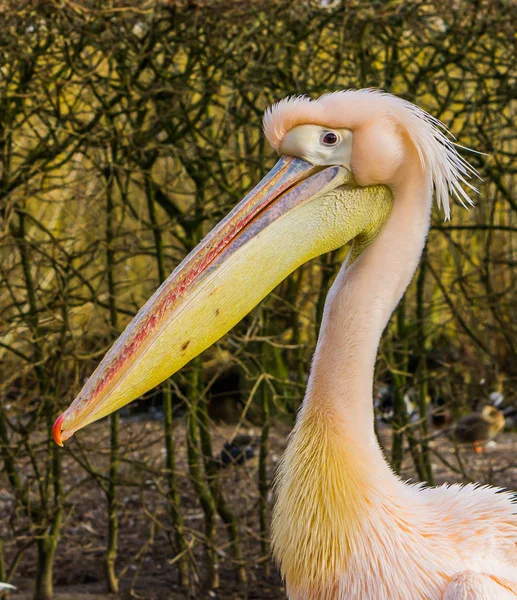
(56, 430)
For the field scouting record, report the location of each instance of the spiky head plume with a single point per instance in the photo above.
(351, 108)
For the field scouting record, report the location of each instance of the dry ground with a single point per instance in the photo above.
(145, 550)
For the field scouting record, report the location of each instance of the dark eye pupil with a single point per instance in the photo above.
(330, 138)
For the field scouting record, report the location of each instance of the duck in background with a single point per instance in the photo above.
(384, 404)
(478, 428)
(237, 451)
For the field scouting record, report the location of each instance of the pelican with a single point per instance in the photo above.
(355, 166)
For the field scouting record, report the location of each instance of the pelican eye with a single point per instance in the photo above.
(330, 138)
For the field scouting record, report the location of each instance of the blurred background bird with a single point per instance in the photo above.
(478, 428)
(237, 451)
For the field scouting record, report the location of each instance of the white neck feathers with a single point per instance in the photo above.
(333, 468)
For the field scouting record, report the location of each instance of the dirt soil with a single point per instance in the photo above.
(145, 549)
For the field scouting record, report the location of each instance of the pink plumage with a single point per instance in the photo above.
(344, 525)
(354, 109)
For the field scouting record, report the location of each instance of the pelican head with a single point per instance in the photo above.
(341, 159)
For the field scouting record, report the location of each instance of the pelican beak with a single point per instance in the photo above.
(298, 211)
